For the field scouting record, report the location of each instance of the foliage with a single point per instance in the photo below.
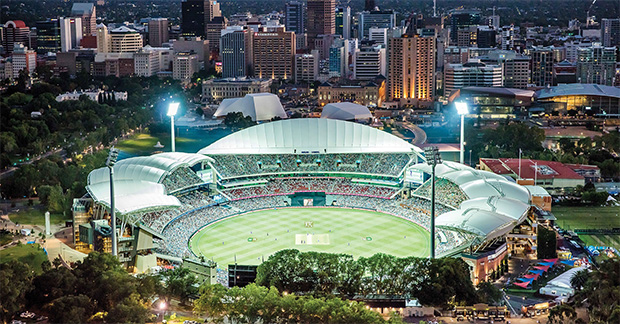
(15, 280)
(488, 293)
(238, 120)
(547, 243)
(601, 293)
(504, 141)
(70, 309)
(178, 282)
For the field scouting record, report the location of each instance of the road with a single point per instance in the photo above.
(9, 171)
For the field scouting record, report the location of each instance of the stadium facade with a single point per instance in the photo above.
(167, 197)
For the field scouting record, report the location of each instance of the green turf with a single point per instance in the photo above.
(32, 254)
(571, 218)
(144, 144)
(34, 216)
(350, 229)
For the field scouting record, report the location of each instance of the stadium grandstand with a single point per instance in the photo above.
(302, 163)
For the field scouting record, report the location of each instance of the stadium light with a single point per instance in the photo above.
(112, 157)
(462, 109)
(173, 107)
(432, 158)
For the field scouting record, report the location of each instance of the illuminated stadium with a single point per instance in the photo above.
(291, 184)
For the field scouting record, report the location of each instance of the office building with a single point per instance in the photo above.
(467, 36)
(14, 31)
(378, 35)
(184, 66)
(486, 37)
(274, 51)
(610, 32)
(375, 18)
(236, 52)
(462, 19)
(214, 32)
(103, 39)
(597, 65)
(113, 64)
(323, 43)
(216, 90)
(196, 14)
(516, 67)
(307, 67)
(508, 37)
(158, 31)
(48, 36)
(88, 13)
(124, 40)
(197, 45)
(471, 74)
(321, 18)
(70, 33)
(411, 69)
(366, 93)
(151, 60)
(337, 61)
(369, 62)
(343, 22)
(294, 17)
(564, 72)
(542, 66)
(23, 59)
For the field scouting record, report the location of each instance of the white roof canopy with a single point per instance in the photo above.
(259, 106)
(345, 111)
(480, 222)
(309, 135)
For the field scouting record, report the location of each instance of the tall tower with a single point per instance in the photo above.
(197, 14)
(70, 33)
(158, 31)
(294, 19)
(88, 13)
(321, 18)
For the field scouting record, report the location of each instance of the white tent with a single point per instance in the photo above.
(346, 111)
(259, 106)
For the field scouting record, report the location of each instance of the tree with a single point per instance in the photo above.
(130, 310)
(579, 279)
(602, 291)
(70, 309)
(17, 99)
(15, 280)
(547, 243)
(449, 279)
(562, 313)
(178, 282)
(488, 293)
(238, 120)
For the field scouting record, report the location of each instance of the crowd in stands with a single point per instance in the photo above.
(446, 192)
(191, 200)
(380, 164)
(181, 178)
(287, 186)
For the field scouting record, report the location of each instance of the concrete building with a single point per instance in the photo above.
(343, 22)
(375, 18)
(14, 31)
(295, 14)
(542, 66)
(486, 37)
(462, 19)
(515, 67)
(307, 67)
(198, 45)
(564, 72)
(158, 31)
(214, 32)
(366, 93)
(321, 17)
(236, 52)
(23, 59)
(369, 62)
(88, 13)
(508, 37)
(323, 43)
(274, 51)
(411, 69)
(216, 90)
(378, 35)
(596, 64)
(70, 33)
(150, 60)
(471, 74)
(125, 40)
(113, 64)
(610, 32)
(467, 36)
(48, 36)
(338, 60)
(184, 66)
(103, 40)
(197, 14)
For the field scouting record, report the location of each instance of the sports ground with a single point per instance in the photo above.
(254, 236)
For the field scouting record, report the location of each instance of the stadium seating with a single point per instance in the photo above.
(446, 192)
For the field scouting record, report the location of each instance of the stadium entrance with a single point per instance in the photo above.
(305, 199)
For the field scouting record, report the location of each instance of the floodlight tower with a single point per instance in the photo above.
(172, 110)
(462, 109)
(112, 156)
(432, 158)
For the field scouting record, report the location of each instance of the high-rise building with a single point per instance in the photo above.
(70, 33)
(294, 17)
(184, 66)
(151, 60)
(485, 37)
(542, 66)
(337, 60)
(103, 39)
(378, 35)
(14, 31)
(88, 13)
(321, 18)
(515, 67)
(274, 51)
(307, 67)
(343, 22)
(471, 74)
(48, 36)
(369, 62)
(467, 36)
(214, 32)
(596, 64)
(460, 19)
(376, 18)
(193, 44)
(23, 59)
(197, 14)
(158, 31)
(508, 36)
(610, 32)
(236, 52)
(411, 69)
(125, 40)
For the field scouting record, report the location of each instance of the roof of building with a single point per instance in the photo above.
(16, 24)
(309, 135)
(564, 279)
(578, 89)
(511, 92)
(544, 169)
(82, 8)
(123, 30)
(259, 106)
(345, 111)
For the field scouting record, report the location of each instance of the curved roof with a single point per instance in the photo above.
(512, 208)
(578, 89)
(15, 24)
(463, 176)
(132, 196)
(564, 279)
(345, 111)
(309, 135)
(443, 168)
(493, 187)
(259, 106)
(483, 223)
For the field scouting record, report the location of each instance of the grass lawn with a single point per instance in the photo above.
(35, 216)
(256, 235)
(571, 218)
(143, 144)
(5, 237)
(32, 254)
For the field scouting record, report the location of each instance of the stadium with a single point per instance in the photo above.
(310, 184)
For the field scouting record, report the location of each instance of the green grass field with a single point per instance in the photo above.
(259, 234)
(35, 216)
(571, 218)
(32, 254)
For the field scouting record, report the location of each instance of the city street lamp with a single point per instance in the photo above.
(432, 158)
(462, 109)
(112, 156)
(172, 110)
